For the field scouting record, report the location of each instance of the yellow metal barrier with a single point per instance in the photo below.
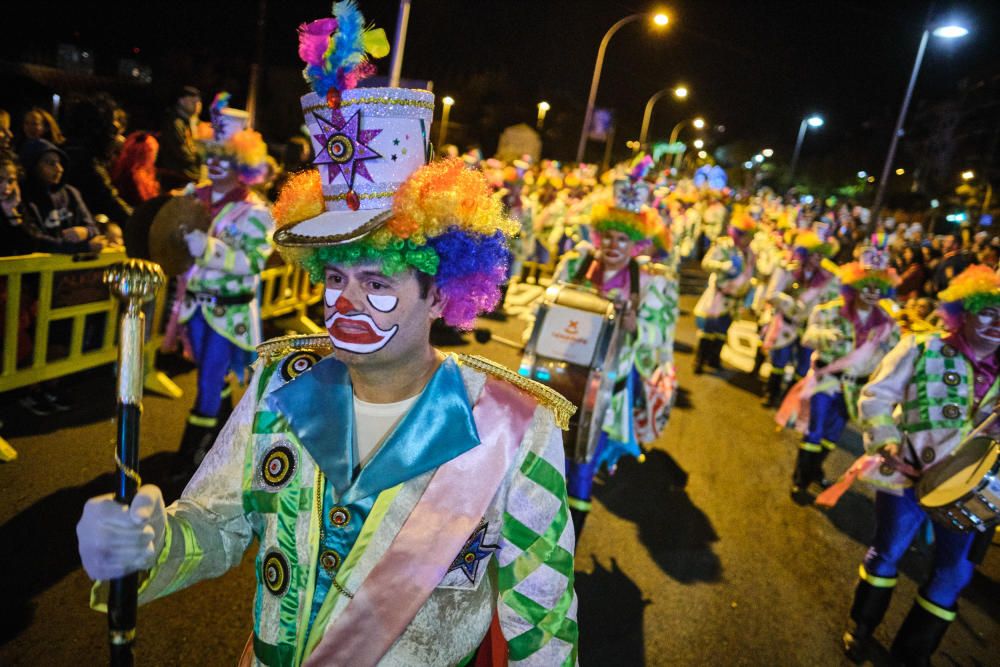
(40, 368)
(285, 296)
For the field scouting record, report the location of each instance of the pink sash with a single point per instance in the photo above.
(449, 510)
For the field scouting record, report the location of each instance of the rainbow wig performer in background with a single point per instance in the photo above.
(407, 504)
(730, 263)
(850, 336)
(793, 291)
(946, 383)
(220, 303)
(646, 298)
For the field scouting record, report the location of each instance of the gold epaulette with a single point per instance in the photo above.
(550, 398)
(279, 347)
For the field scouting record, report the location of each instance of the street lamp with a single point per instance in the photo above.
(447, 101)
(814, 121)
(900, 171)
(767, 152)
(699, 144)
(944, 31)
(647, 115)
(968, 175)
(660, 20)
(542, 108)
(702, 154)
(862, 174)
(698, 123)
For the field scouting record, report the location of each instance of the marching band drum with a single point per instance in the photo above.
(572, 348)
(963, 492)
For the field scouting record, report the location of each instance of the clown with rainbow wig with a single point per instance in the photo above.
(219, 304)
(646, 296)
(730, 263)
(946, 383)
(849, 335)
(409, 506)
(795, 288)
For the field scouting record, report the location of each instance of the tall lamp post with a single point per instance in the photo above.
(680, 92)
(543, 107)
(660, 20)
(402, 21)
(814, 121)
(447, 101)
(945, 31)
(698, 123)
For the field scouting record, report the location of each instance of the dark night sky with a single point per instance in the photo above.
(754, 65)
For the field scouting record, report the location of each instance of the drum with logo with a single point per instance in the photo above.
(963, 491)
(573, 348)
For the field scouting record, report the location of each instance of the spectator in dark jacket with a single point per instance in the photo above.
(64, 223)
(913, 275)
(92, 131)
(178, 162)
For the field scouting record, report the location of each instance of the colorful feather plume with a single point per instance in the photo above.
(336, 50)
(220, 102)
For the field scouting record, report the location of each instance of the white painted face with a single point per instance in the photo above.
(219, 168)
(357, 332)
(870, 295)
(986, 325)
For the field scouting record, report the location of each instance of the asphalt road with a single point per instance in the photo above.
(696, 557)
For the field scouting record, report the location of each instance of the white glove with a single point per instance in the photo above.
(116, 540)
(829, 336)
(196, 241)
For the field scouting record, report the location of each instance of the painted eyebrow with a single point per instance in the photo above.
(375, 274)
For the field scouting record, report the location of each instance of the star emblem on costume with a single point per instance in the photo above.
(344, 148)
(474, 552)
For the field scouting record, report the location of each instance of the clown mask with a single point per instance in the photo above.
(870, 294)
(222, 172)
(616, 249)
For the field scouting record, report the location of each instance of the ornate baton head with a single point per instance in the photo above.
(134, 280)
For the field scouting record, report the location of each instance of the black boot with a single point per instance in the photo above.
(773, 391)
(715, 353)
(818, 475)
(700, 353)
(199, 435)
(920, 634)
(870, 603)
(805, 470)
(225, 408)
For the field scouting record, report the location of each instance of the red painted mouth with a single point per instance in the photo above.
(354, 331)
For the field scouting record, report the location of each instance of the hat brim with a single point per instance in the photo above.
(333, 228)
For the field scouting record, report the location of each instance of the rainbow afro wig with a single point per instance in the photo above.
(445, 223)
(855, 275)
(244, 146)
(971, 291)
(638, 226)
(810, 242)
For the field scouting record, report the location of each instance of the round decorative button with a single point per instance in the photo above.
(340, 516)
(240, 329)
(278, 466)
(219, 311)
(330, 560)
(948, 351)
(928, 455)
(275, 573)
(951, 411)
(298, 363)
(951, 378)
(340, 148)
(886, 470)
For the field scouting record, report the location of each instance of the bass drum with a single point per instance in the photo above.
(963, 491)
(572, 348)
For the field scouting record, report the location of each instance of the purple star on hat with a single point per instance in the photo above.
(344, 148)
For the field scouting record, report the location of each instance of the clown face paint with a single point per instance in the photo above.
(353, 331)
(616, 249)
(870, 295)
(983, 328)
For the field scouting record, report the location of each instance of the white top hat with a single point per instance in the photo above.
(365, 148)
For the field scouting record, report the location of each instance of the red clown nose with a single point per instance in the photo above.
(344, 306)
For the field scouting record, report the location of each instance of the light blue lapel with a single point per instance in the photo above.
(319, 408)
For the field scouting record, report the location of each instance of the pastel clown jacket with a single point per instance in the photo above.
(832, 335)
(933, 386)
(791, 303)
(239, 243)
(649, 353)
(282, 472)
(731, 271)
